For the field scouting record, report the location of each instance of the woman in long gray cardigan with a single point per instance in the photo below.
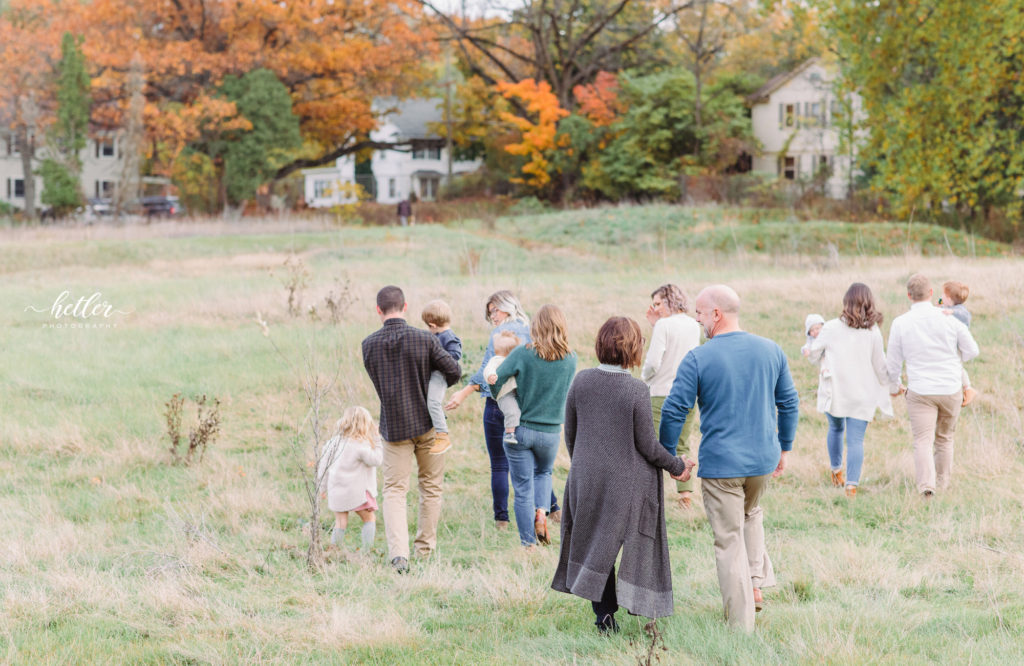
(613, 496)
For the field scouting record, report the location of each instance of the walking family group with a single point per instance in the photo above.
(621, 432)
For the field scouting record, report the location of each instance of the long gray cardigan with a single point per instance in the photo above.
(613, 496)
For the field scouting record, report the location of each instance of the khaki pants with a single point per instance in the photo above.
(682, 447)
(932, 423)
(397, 470)
(740, 556)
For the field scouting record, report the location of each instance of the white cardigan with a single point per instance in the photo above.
(854, 381)
(672, 338)
(352, 472)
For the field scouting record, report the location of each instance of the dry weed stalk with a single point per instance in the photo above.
(200, 436)
(295, 281)
(654, 647)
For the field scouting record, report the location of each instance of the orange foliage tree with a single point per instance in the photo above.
(29, 49)
(334, 58)
(538, 130)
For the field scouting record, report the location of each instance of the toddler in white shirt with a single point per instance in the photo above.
(504, 343)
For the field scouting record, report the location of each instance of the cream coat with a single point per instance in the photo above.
(352, 472)
(854, 381)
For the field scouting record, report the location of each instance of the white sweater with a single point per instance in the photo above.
(672, 338)
(352, 472)
(933, 345)
(855, 383)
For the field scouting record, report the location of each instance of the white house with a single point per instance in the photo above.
(392, 175)
(798, 119)
(101, 169)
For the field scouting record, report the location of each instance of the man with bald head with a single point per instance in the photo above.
(749, 411)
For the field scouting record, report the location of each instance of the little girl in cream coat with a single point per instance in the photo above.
(351, 458)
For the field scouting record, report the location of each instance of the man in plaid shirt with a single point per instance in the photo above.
(399, 360)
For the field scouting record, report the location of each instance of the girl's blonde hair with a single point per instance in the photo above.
(356, 423)
(957, 291)
(550, 334)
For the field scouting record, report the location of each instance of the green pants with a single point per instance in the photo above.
(682, 448)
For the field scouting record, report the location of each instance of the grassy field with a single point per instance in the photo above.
(109, 553)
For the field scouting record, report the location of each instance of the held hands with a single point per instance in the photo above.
(900, 391)
(685, 476)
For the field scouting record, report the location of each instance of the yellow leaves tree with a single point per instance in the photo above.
(538, 129)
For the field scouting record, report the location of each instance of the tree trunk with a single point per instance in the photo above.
(26, 146)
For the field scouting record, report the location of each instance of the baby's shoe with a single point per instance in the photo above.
(441, 443)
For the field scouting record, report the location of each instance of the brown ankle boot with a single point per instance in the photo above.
(441, 443)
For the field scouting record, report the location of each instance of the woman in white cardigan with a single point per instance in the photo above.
(853, 382)
(348, 471)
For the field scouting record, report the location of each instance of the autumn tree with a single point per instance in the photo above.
(943, 101)
(333, 58)
(537, 131)
(29, 47)
(562, 42)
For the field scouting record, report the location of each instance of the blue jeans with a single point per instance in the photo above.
(494, 431)
(854, 445)
(530, 461)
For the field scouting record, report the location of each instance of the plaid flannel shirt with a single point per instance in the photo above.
(399, 360)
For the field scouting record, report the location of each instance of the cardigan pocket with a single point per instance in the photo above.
(648, 518)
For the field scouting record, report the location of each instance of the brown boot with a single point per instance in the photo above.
(838, 478)
(851, 491)
(441, 443)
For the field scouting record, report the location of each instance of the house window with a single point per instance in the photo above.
(104, 189)
(814, 116)
(426, 153)
(392, 187)
(824, 163)
(104, 147)
(836, 112)
(15, 188)
(789, 168)
(321, 188)
(429, 187)
(790, 115)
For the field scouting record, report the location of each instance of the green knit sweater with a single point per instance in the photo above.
(541, 387)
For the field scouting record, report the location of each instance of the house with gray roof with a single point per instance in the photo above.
(390, 176)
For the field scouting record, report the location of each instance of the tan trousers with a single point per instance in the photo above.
(932, 423)
(683, 446)
(397, 470)
(737, 522)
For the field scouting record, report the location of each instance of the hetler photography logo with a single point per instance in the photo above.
(86, 312)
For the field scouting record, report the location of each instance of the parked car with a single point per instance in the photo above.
(162, 206)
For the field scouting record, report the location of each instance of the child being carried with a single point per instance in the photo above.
(504, 343)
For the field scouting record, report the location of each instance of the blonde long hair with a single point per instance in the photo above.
(356, 423)
(549, 333)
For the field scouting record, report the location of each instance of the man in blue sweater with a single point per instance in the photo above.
(749, 411)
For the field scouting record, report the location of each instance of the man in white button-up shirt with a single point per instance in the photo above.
(933, 345)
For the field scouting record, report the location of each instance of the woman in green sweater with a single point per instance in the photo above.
(543, 371)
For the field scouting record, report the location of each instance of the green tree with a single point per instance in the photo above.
(657, 140)
(246, 159)
(943, 102)
(62, 168)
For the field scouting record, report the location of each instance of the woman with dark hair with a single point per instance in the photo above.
(504, 312)
(855, 383)
(614, 497)
(543, 371)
